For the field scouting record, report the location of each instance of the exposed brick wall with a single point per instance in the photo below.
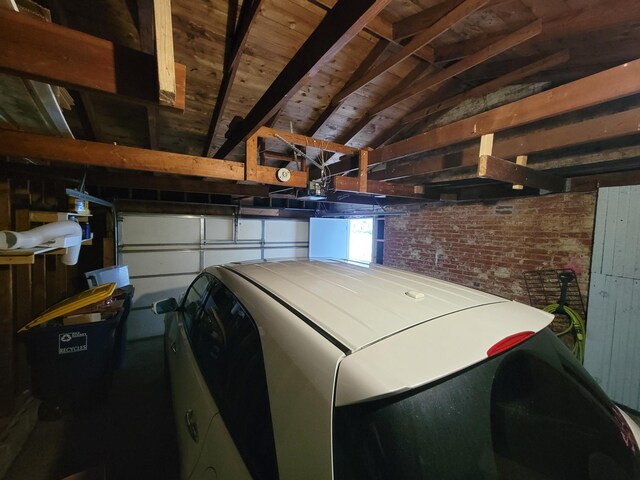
(489, 246)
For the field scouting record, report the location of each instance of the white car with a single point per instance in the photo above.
(318, 370)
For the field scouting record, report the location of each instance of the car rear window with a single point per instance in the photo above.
(530, 413)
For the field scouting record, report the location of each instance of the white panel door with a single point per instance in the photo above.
(329, 238)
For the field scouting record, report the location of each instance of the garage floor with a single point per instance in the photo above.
(132, 435)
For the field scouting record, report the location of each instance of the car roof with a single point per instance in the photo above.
(358, 304)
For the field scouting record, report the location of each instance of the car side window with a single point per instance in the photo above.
(194, 298)
(226, 342)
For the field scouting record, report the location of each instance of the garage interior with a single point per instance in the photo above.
(492, 143)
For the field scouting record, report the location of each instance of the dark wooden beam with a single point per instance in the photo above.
(596, 129)
(337, 28)
(603, 15)
(460, 12)
(20, 144)
(502, 45)
(7, 330)
(505, 171)
(238, 42)
(414, 24)
(589, 183)
(371, 58)
(617, 82)
(146, 31)
(39, 50)
(382, 28)
(512, 77)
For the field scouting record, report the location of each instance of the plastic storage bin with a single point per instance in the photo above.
(118, 274)
(71, 365)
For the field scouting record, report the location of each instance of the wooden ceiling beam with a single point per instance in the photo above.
(382, 28)
(146, 31)
(248, 12)
(44, 51)
(617, 82)
(510, 78)
(607, 14)
(596, 129)
(374, 54)
(466, 8)
(351, 184)
(509, 172)
(337, 28)
(500, 46)
(589, 183)
(414, 24)
(20, 144)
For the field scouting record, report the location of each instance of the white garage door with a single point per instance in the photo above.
(165, 252)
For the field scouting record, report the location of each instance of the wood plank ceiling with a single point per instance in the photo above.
(400, 68)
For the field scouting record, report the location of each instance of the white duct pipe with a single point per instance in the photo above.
(41, 235)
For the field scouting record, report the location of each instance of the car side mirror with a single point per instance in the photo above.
(164, 306)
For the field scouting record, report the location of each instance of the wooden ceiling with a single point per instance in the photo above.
(403, 68)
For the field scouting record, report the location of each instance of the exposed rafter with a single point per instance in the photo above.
(617, 82)
(336, 29)
(239, 38)
(469, 62)
(370, 60)
(425, 37)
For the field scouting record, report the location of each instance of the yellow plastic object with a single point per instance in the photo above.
(71, 304)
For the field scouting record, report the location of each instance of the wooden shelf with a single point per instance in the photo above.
(27, 256)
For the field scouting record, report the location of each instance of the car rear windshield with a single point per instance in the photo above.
(529, 413)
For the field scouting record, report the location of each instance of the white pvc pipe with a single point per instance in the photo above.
(41, 235)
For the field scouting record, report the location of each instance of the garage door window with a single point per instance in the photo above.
(226, 343)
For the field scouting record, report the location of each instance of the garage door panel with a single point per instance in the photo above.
(249, 229)
(286, 252)
(219, 257)
(161, 263)
(160, 229)
(218, 228)
(286, 231)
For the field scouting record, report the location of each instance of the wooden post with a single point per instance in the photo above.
(486, 144)
(520, 160)
(164, 51)
(362, 170)
(251, 158)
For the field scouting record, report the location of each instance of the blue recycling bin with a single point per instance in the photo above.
(71, 365)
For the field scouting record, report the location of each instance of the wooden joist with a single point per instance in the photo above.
(505, 171)
(454, 16)
(382, 28)
(510, 78)
(351, 184)
(596, 129)
(336, 29)
(617, 82)
(371, 58)
(500, 46)
(33, 48)
(303, 140)
(589, 183)
(248, 12)
(20, 144)
(414, 24)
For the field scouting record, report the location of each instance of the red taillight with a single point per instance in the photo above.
(508, 342)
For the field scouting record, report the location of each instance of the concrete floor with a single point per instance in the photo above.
(132, 434)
